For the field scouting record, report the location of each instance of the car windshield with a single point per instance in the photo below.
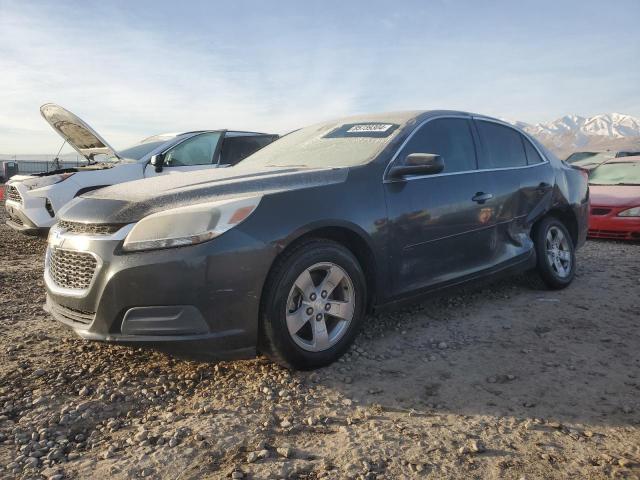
(616, 173)
(333, 144)
(135, 152)
(588, 158)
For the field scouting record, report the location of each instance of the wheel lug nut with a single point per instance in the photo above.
(327, 306)
(313, 297)
(309, 311)
(324, 294)
(319, 317)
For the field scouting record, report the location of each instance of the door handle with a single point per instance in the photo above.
(482, 197)
(542, 186)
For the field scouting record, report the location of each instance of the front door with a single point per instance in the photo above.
(442, 225)
(194, 153)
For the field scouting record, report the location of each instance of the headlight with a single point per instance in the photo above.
(631, 212)
(189, 225)
(39, 182)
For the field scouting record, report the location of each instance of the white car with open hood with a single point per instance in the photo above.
(32, 201)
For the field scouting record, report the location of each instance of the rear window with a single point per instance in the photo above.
(502, 146)
(533, 156)
(236, 149)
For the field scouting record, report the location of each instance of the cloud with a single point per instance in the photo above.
(130, 82)
(132, 69)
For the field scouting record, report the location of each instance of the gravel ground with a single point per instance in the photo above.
(501, 381)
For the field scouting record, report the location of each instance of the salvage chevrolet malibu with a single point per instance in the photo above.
(286, 252)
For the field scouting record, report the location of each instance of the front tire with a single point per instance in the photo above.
(555, 253)
(313, 305)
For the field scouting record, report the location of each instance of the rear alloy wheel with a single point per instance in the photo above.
(555, 253)
(313, 305)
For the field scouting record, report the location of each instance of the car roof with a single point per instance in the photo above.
(229, 133)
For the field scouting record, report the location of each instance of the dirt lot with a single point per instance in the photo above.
(503, 381)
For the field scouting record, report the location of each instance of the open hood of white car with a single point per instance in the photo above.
(84, 139)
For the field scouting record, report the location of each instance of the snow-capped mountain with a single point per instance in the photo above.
(615, 125)
(609, 131)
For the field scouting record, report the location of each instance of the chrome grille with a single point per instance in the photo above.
(13, 194)
(71, 269)
(89, 228)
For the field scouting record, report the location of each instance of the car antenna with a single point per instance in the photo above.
(56, 161)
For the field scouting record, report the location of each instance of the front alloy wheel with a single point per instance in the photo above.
(312, 306)
(320, 307)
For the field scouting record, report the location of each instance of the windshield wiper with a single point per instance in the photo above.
(627, 184)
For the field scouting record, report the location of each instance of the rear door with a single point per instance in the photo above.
(517, 185)
(194, 153)
(442, 225)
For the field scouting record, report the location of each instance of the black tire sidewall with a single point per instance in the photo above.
(546, 272)
(280, 339)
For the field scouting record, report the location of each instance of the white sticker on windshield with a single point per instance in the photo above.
(370, 127)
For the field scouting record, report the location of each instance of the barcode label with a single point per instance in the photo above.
(370, 127)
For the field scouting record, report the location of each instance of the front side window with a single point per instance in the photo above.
(196, 150)
(448, 137)
(502, 146)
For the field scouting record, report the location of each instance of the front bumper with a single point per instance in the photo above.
(201, 300)
(29, 214)
(611, 226)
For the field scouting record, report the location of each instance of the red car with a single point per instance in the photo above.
(615, 199)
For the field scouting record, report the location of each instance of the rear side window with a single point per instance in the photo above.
(502, 146)
(235, 149)
(533, 156)
(448, 137)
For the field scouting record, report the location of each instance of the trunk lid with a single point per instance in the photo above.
(84, 139)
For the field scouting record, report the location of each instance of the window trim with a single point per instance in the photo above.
(385, 175)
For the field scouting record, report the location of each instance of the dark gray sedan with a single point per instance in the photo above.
(285, 253)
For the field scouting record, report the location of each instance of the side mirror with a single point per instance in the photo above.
(158, 161)
(418, 164)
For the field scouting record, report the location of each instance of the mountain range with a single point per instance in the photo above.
(609, 131)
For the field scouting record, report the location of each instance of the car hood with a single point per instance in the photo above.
(129, 202)
(77, 133)
(615, 195)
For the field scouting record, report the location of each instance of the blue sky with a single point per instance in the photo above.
(134, 68)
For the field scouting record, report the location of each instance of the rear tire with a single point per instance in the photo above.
(313, 305)
(555, 253)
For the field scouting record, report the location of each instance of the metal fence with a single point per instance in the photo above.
(31, 166)
(38, 166)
